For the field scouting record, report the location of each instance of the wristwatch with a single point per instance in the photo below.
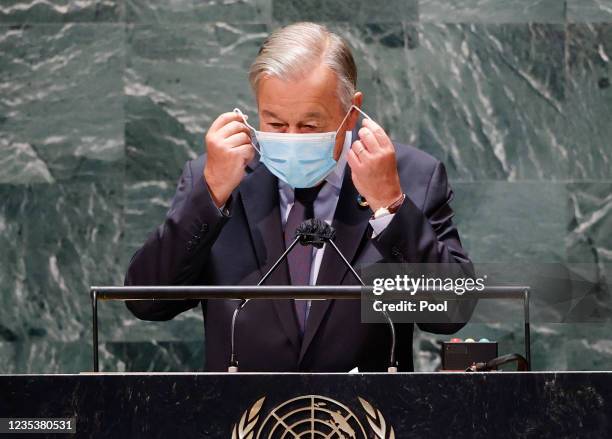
(391, 208)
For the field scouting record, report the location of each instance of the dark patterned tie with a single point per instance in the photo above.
(300, 258)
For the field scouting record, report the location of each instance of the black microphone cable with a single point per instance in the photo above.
(521, 363)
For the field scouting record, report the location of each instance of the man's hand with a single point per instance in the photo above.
(229, 148)
(373, 166)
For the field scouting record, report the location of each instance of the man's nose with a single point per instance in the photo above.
(293, 130)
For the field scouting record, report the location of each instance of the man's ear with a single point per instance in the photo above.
(354, 116)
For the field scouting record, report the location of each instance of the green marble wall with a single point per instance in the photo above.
(101, 102)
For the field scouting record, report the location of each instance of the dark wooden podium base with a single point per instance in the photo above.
(414, 405)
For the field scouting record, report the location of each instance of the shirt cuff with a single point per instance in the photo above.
(225, 208)
(380, 224)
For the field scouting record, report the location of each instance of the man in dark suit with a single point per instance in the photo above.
(235, 211)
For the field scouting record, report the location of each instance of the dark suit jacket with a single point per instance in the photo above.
(197, 245)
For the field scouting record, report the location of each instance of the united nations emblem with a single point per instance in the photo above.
(309, 417)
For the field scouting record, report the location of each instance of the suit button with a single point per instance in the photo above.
(204, 228)
(395, 251)
(196, 237)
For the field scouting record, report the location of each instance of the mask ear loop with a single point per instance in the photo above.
(361, 111)
(244, 118)
(349, 113)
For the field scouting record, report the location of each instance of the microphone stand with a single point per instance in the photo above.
(233, 366)
(323, 233)
(392, 361)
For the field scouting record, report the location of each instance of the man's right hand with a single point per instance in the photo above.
(229, 150)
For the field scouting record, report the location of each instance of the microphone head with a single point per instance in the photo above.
(314, 232)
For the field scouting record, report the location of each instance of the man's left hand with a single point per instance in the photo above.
(374, 167)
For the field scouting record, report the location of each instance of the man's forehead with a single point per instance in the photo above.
(306, 114)
(312, 95)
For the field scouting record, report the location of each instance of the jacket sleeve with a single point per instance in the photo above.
(428, 235)
(176, 252)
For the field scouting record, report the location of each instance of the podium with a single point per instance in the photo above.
(289, 405)
(306, 405)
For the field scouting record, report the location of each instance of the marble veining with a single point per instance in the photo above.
(103, 101)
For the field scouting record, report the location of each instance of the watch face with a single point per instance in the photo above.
(381, 211)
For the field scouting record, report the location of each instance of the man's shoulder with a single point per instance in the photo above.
(416, 169)
(414, 161)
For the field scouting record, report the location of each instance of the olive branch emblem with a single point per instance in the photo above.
(245, 428)
(377, 421)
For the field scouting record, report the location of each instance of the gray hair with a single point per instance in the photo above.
(290, 52)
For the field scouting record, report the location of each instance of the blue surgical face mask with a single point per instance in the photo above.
(300, 160)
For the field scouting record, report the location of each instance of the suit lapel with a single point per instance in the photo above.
(259, 196)
(350, 223)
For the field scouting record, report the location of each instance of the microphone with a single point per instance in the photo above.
(316, 233)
